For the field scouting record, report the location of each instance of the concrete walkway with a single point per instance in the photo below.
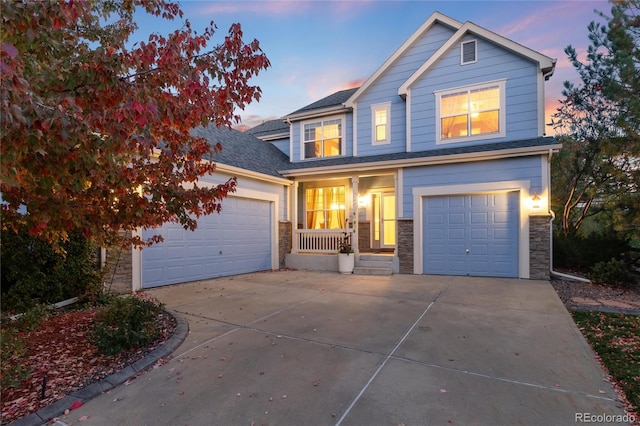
(307, 348)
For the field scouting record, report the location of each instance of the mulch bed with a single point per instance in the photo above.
(60, 350)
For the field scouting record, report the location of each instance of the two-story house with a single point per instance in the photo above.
(438, 161)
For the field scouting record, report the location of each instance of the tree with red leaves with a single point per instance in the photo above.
(95, 134)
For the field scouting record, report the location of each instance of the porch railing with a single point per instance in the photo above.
(318, 240)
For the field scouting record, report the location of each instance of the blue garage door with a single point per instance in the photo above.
(471, 235)
(236, 241)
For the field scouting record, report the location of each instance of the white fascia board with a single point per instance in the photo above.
(273, 136)
(546, 64)
(237, 171)
(433, 19)
(425, 161)
(317, 113)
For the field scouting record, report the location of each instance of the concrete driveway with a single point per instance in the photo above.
(308, 348)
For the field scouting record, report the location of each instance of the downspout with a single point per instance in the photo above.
(553, 217)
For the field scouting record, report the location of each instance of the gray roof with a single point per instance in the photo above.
(335, 99)
(271, 127)
(471, 149)
(243, 150)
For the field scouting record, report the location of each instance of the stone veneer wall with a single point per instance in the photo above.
(405, 245)
(539, 249)
(284, 241)
(364, 235)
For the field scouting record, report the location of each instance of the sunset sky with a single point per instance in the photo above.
(319, 47)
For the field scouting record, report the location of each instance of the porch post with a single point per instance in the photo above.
(295, 235)
(354, 211)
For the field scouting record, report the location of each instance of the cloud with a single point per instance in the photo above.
(339, 9)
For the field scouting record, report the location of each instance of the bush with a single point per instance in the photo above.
(127, 322)
(33, 273)
(11, 346)
(613, 273)
(582, 253)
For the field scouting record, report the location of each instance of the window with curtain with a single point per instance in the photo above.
(471, 112)
(325, 207)
(322, 138)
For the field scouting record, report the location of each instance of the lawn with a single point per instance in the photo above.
(616, 340)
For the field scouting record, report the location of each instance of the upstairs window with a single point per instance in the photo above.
(470, 113)
(381, 119)
(468, 52)
(325, 207)
(322, 138)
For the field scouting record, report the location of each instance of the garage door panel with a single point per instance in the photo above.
(238, 240)
(484, 224)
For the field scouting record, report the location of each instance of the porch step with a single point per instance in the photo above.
(360, 270)
(373, 265)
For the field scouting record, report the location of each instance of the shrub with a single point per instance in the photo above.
(613, 273)
(127, 322)
(11, 346)
(583, 252)
(32, 272)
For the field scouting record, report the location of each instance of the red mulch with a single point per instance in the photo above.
(60, 349)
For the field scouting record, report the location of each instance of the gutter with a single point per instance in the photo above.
(553, 217)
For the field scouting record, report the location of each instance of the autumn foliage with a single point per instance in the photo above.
(96, 130)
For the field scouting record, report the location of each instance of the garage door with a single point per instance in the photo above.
(471, 234)
(236, 241)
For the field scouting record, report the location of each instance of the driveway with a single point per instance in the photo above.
(309, 348)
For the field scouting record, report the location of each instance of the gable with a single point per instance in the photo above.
(402, 50)
(545, 63)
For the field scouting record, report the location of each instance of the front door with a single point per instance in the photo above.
(384, 219)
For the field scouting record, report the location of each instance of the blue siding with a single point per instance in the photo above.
(521, 168)
(254, 185)
(494, 63)
(385, 89)
(282, 145)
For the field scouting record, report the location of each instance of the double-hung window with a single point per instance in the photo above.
(381, 119)
(471, 112)
(325, 207)
(322, 138)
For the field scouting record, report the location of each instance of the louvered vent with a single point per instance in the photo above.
(469, 52)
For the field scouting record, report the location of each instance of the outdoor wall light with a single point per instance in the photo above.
(535, 201)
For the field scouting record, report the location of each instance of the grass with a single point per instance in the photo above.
(616, 340)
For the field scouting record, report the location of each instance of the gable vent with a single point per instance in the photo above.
(468, 52)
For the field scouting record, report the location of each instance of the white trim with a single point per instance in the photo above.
(475, 53)
(522, 186)
(343, 128)
(354, 139)
(273, 136)
(409, 128)
(400, 193)
(540, 106)
(317, 113)
(426, 161)
(136, 263)
(426, 26)
(546, 63)
(386, 106)
(238, 171)
(291, 159)
(502, 113)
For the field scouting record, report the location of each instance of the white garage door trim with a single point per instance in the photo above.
(241, 193)
(522, 186)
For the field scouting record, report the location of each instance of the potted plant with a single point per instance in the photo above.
(346, 256)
